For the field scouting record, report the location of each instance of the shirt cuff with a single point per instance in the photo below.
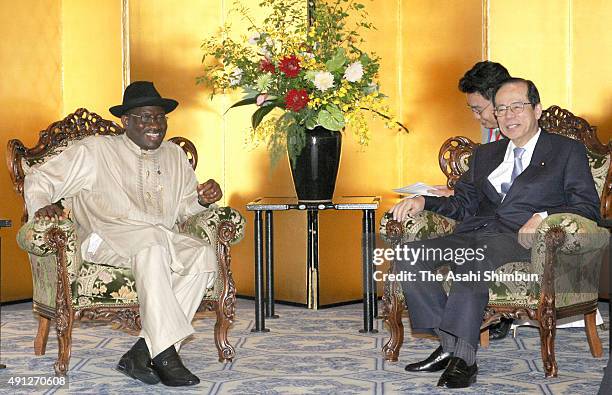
(543, 214)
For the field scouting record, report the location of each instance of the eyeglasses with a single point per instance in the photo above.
(516, 108)
(476, 110)
(148, 118)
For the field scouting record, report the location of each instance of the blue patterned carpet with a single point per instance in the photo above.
(311, 352)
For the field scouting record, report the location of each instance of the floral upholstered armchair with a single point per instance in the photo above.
(67, 289)
(566, 254)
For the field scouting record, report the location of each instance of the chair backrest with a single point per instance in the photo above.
(455, 152)
(59, 135)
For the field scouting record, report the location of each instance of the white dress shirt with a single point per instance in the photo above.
(503, 172)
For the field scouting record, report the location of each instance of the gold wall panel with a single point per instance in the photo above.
(57, 56)
(591, 63)
(30, 98)
(535, 45)
(440, 40)
(563, 46)
(91, 55)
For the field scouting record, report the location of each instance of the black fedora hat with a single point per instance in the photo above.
(140, 94)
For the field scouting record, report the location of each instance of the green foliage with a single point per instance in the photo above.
(316, 75)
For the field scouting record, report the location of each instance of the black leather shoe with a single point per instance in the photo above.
(435, 362)
(136, 363)
(499, 331)
(458, 374)
(171, 370)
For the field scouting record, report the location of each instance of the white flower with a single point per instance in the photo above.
(263, 82)
(354, 72)
(235, 77)
(324, 80)
(254, 38)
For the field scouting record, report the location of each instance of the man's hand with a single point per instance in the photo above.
(527, 233)
(441, 190)
(52, 211)
(209, 192)
(408, 206)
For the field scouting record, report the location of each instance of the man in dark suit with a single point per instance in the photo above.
(510, 187)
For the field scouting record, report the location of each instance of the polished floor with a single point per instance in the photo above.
(308, 352)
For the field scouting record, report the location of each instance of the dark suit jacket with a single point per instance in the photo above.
(557, 180)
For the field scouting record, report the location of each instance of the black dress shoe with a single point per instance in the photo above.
(458, 374)
(136, 363)
(171, 370)
(500, 330)
(435, 362)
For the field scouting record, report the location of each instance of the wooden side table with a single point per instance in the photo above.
(267, 205)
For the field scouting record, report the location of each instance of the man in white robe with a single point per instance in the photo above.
(126, 195)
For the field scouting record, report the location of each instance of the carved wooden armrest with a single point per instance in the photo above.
(567, 254)
(206, 224)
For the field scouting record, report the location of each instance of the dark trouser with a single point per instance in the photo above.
(460, 312)
(606, 382)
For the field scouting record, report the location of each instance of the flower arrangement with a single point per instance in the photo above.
(310, 68)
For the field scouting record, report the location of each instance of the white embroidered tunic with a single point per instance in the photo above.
(123, 199)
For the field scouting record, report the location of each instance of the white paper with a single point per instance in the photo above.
(418, 188)
(94, 243)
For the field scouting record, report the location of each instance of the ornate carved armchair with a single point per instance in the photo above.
(567, 251)
(67, 289)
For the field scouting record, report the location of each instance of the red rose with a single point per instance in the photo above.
(290, 66)
(266, 66)
(296, 99)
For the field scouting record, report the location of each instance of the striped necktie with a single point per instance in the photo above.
(516, 170)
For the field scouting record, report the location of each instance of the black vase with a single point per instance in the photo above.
(316, 166)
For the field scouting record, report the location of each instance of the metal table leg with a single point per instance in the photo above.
(269, 241)
(372, 247)
(312, 256)
(260, 324)
(368, 280)
(315, 257)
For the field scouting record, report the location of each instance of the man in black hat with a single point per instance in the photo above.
(127, 193)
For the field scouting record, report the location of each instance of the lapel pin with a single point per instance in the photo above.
(542, 164)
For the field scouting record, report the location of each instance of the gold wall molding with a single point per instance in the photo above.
(125, 43)
(486, 9)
